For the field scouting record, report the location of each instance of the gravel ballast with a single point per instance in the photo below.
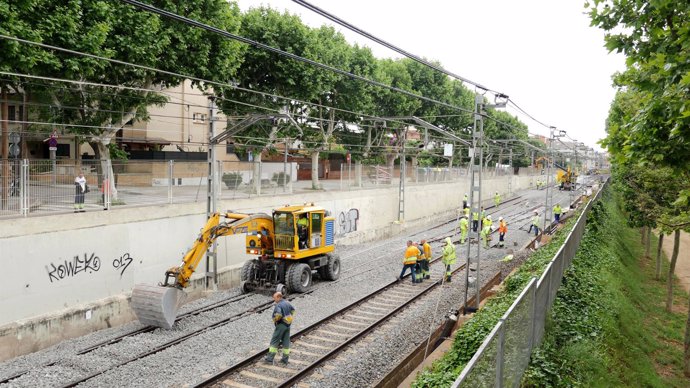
(365, 268)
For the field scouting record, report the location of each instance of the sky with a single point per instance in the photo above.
(541, 53)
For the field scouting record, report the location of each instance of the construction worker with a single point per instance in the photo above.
(464, 226)
(487, 222)
(283, 312)
(534, 224)
(485, 234)
(464, 201)
(502, 229)
(418, 268)
(475, 221)
(482, 216)
(426, 257)
(448, 257)
(557, 211)
(497, 199)
(410, 261)
(467, 212)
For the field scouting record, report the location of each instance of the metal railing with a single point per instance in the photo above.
(39, 187)
(505, 353)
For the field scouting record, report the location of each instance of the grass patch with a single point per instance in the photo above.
(608, 326)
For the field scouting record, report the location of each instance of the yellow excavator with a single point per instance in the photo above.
(566, 179)
(290, 245)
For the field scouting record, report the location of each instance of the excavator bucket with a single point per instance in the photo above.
(156, 305)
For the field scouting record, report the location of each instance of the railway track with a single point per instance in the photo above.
(252, 310)
(314, 345)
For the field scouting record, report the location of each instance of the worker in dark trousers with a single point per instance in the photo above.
(283, 312)
(464, 201)
(557, 211)
(410, 261)
(535, 224)
(502, 230)
(475, 221)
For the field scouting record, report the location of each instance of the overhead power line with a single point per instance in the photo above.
(226, 34)
(382, 42)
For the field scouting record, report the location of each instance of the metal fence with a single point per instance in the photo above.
(505, 353)
(35, 187)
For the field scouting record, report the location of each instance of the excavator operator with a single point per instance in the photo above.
(302, 233)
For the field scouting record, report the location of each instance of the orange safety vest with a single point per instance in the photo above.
(503, 227)
(411, 254)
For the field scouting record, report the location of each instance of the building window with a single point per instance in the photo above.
(12, 113)
(230, 148)
(199, 117)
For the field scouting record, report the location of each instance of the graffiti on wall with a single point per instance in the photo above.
(88, 263)
(69, 268)
(122, 263)
(347, 221)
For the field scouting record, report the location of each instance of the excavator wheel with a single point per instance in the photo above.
(299, 277)
(156, 305)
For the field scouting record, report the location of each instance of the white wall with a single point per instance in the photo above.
(156, 237)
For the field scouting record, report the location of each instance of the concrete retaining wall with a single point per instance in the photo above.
(69, 274)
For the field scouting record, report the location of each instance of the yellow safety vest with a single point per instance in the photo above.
(427, 251)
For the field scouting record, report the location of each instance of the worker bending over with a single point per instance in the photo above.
(448, 257)
(485, 234)
(410, 261)
(497, 199)
(502, 229)
(283, 313)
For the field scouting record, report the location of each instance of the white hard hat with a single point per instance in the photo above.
(500, 218)
(488, 217)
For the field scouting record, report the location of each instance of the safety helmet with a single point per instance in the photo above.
(500, 218)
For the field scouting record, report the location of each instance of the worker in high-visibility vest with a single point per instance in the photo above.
(557, 211)
(485, 235)
(535, 224)
(502, 230)
(448, 258)
(464, 226)
(482, 216)
(410, 261)
(426, 257)
(475, 221)
(418, 268)
(464, 201)
(497, 199)
(466, 212)
(487, 222)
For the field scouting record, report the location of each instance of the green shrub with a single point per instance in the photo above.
(280, 178)
(232, 180)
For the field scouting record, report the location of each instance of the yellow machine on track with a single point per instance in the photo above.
(290, 245)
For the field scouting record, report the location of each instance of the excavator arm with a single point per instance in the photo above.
(240, 223)
(158, 305)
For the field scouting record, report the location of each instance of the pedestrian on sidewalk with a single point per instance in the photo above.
(283, 313)
(448, 258)
(410, 261)
(79, 192)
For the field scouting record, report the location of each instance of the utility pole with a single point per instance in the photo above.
(475, 198)
(549, 183)
(212, 252)
(401, 193)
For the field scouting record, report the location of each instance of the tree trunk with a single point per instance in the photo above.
(315, 170)
(674, 258)
(642, 234)
(648, 243)
(103, 153)
(658, 255)
(686, 355)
